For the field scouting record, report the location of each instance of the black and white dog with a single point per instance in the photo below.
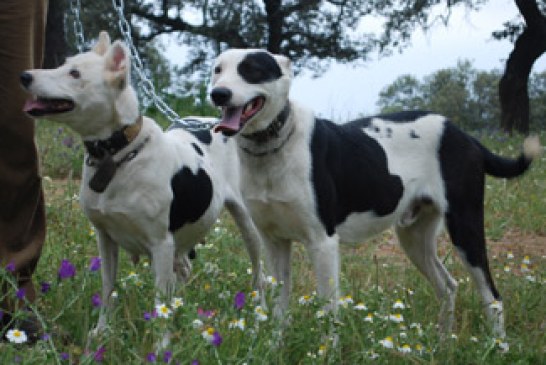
(151, 192)
(309, 180)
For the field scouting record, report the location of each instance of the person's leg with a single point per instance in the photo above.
(22, 214)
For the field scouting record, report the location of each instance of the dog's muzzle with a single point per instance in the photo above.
(221, 96)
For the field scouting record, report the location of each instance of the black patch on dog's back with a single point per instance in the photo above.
(350, 173)
(192, 195)
(258, 68)
(203, 135)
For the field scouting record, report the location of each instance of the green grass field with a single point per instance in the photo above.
(375, 275)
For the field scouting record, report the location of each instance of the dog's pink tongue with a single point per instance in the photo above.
(33, 105)
(231, 120)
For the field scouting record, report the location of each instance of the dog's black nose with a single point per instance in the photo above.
(26, 79)
(220, 96)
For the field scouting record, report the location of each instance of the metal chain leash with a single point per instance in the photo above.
(75, 7)
(145, 85)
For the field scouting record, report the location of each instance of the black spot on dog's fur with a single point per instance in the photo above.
(192, 195)
(337, 150)
(203, 135)
(414, 135)
(197, 149)
(258, 68)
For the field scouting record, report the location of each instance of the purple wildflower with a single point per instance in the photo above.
(240, 300)
(99, 354)
(151, 357)
(67, 270)
(45, 286)
(195, 362)
(94, 264)
(205, 313)
(64, 356)
(216, 339)
(96, 301)
(150, 315)
(167, 356)
(68, 141)
(46, 337)
(10, 267)
(1, 314)
(20, 293)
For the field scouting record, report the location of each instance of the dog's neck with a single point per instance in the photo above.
(273, 130)
(270, 140)
(116, 142)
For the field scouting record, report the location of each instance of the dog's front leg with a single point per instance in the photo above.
(163, 256)
(278, 253)
(324, 254)
(253, 243)
(108, 251)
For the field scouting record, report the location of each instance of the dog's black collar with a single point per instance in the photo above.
(120, 139)
(100, 154)
(272, 130)
(272, 151)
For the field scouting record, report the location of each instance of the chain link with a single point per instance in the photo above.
(145, 85)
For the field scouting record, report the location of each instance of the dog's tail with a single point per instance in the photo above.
(505, 167)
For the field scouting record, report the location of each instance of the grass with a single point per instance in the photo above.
(376, 274)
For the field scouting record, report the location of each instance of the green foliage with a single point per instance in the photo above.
(469, 97)
(375, 273)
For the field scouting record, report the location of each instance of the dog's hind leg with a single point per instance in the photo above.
(253, 242)
(108, 251)
(465, 226)
(419, 243)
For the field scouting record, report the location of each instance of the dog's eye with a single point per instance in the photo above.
(75, 74)
(217, 69)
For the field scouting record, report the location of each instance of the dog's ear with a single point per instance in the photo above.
(102, 44)
(285, 63)
(117, 65)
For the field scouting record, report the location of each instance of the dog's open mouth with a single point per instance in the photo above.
(234, 118)
(43, 106)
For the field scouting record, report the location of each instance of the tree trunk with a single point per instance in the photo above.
(55, 44)
(529, 46)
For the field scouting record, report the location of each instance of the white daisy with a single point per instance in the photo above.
(398, 305)
(360, 307)
(261, 315)
(345, 301)
(177, 303)
(496, 305)
(197, 323)
(271, 280)
(238, 323)
(387, 342)
(397, 317)
(305, 299)
(16, 336)
(405, 349)
(163, 311)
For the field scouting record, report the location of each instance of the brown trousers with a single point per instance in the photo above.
(22, 214)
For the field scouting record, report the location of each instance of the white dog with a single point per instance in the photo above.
(309, 180)
(151, 192)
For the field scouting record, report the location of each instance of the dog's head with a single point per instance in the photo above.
(251, 86)
(90, 92)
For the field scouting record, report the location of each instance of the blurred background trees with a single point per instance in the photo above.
(314, 33)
